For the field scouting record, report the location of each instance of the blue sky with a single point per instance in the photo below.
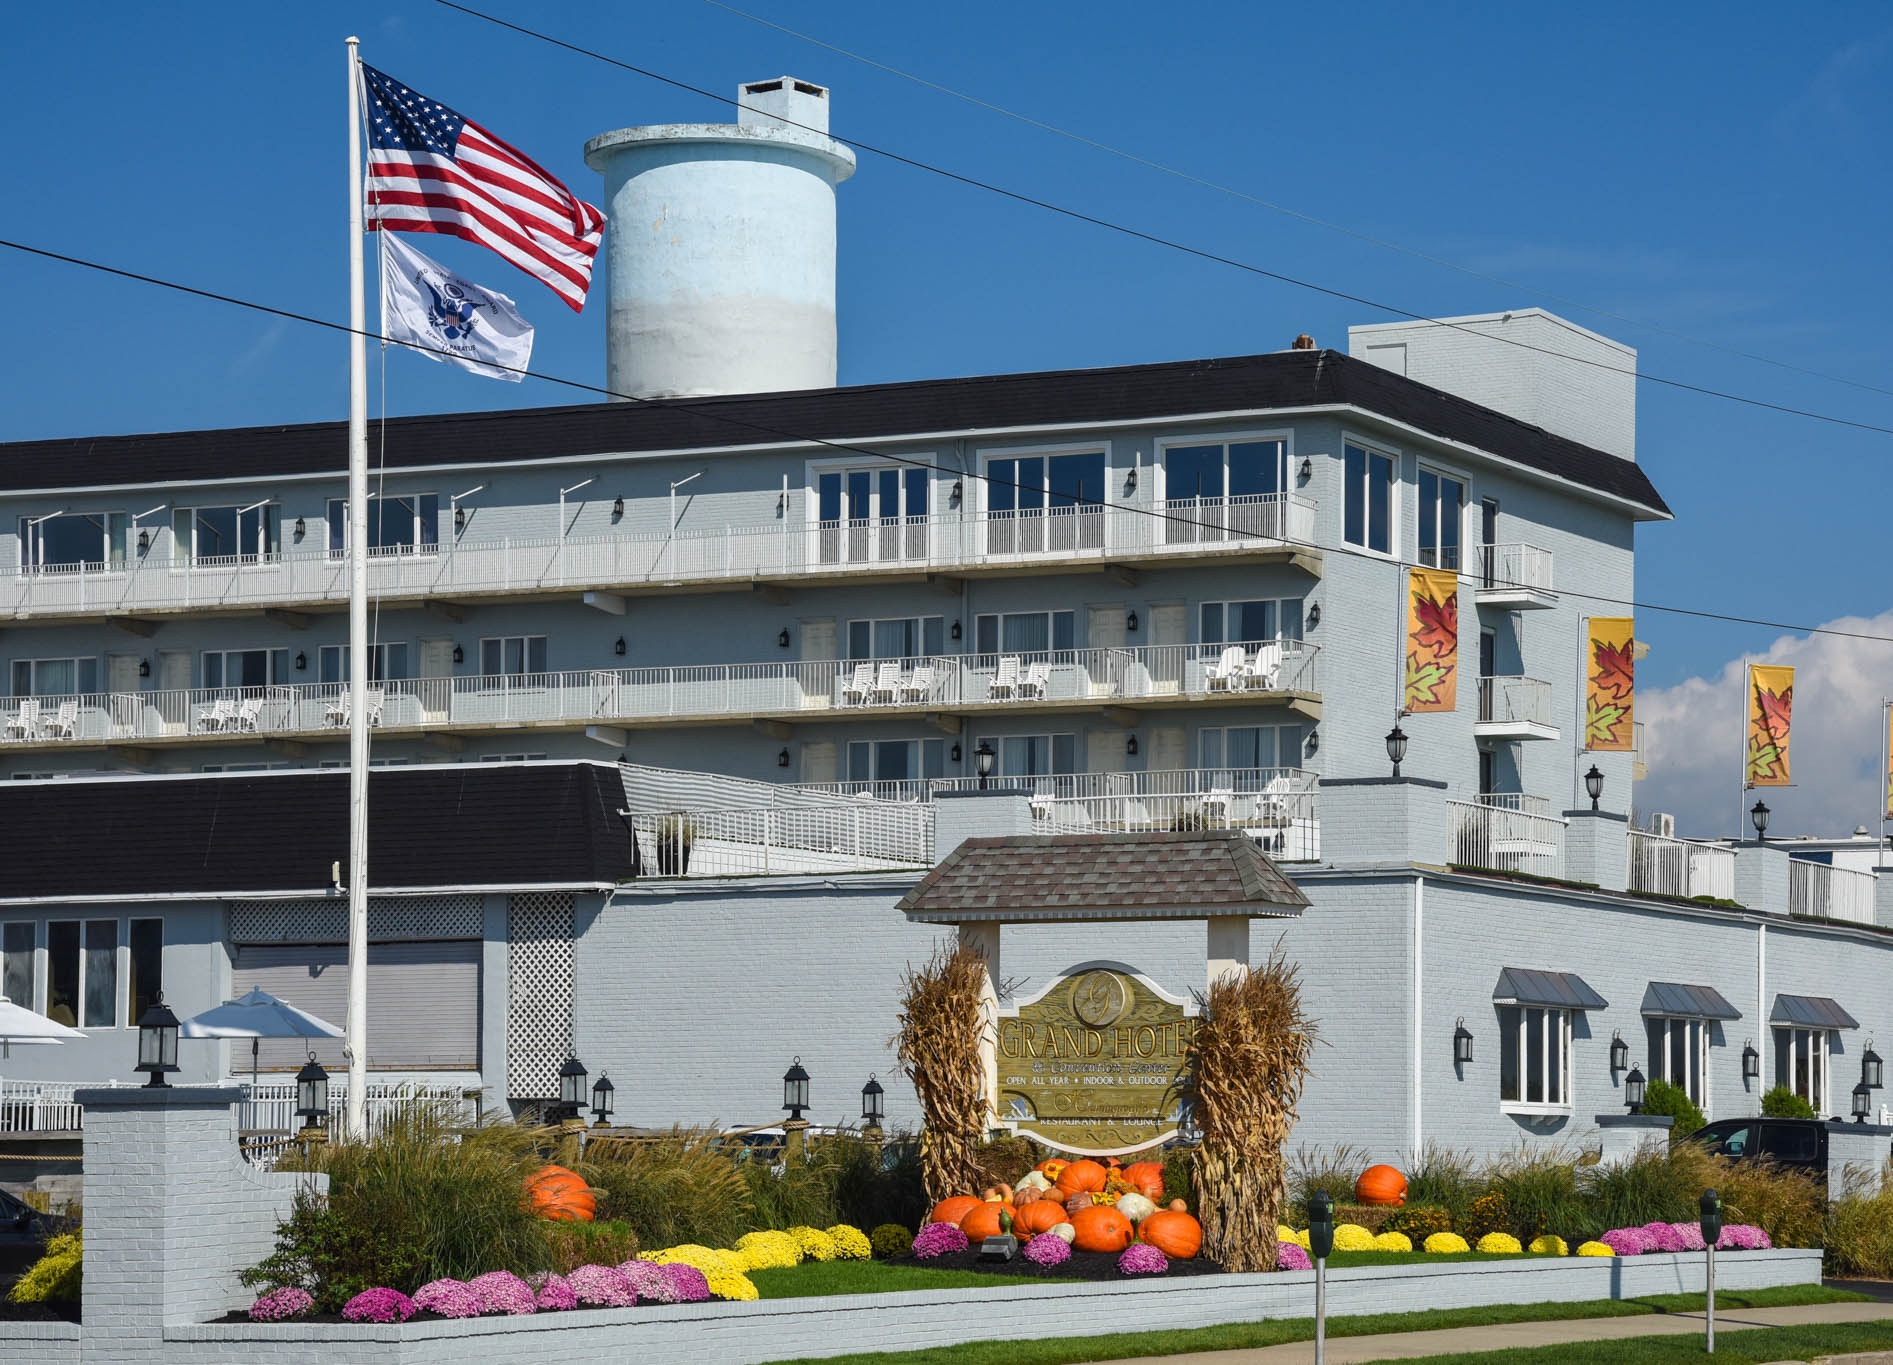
(1721, 171)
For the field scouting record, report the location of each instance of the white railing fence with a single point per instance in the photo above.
(1513, 566)
(1680, 867)
(1515, 700)
(49, 1106)
(1830, 892)
(848, 836)
(1501, 840)
(42, 1106)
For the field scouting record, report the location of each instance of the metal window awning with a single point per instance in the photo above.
(1674, 1000)
(1811, 1011)
(1553, 990)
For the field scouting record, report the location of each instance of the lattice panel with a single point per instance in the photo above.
(539, 934)
(390, 919)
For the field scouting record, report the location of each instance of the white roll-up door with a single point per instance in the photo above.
(423, 1002)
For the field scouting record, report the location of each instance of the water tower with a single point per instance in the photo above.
(720, 255)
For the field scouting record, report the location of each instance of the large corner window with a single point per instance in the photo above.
(872, 514)
(1367, 499)
(82, 973)
(1801, 1062)
(1045, 503)
(55, 677)
(1534, 1060)
(1442, 513)
(1679, 1054)
(17, 975)
(404, 523)
(901, 637)
(212, 536)
(1229, 489)
(68, 540)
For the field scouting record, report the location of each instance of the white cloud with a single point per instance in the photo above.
(1693, 734)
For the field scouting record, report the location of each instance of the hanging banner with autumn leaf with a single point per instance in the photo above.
(1886, 754)
(1432, 640)
(1610, 685)
(1770, 705)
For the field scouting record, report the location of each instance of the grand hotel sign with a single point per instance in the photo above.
(1095, 1063)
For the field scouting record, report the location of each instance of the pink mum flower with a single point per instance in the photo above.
(602, 1286)
(1046, 1251)
(683, 1283)
(1140, 1258)
(279, 1305)
(1663, 1237)
(1629, 1241)
(449, 1298)
(501, 1291)
(1292, 1256)
(379, 1305)
(939, 1239)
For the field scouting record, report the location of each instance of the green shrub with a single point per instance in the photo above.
(1783, 1103)
(1332, 1171)
(682, 1186)
(320, 1249)
(1653, 1184)
(890, 1240)
(1662, 1097)
(877, 1182)
(1859, 1233)
(598, 1243)
(1419, 1222)
(1490, 1212)
(1179, 1174)
(55, 1277)
(1444, 1178)
(1539, 1186)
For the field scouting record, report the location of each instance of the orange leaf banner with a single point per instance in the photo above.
(1770, 708)
(1886, 769)
(1432, 640)
(1610, 687)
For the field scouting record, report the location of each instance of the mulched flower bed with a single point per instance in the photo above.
(1083, 1265)
(38, 1312)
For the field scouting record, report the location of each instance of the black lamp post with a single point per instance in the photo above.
(1396, 746)
(1759, 817)
(1594, 785)
(571, 1089)
(1633, 1091)
(795, 1090)
(312, 1099)
(602, 1090)
(983, 758)
(1872, 1069)
(1462, 1043)
(1619, 1054)
(1751, 1062)
(1863, 1102)
(873, 1105)
(157, 1044)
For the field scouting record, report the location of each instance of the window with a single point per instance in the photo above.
(1367, 502)
(513, 654)
(1045, 502)
(228, 535)
(16, 963)
(878, 513)
(1020, 632)
(245, 667)
(1248, 622)
(903, 637)
(407, 523)
(1534, 1059)
(896, 760)
(387, 661)
(72, 538)
(54, 677)
(82, 973)
(147, 967)
(512, 758)
(1251, 746)
(258, 767)
(1212, 490)
(1442, 500)
(1801, 1057)
(1033, 755)
(1679, 1054)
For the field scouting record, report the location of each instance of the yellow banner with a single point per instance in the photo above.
(1610, 686)
(1432, 640)
(1770, 706)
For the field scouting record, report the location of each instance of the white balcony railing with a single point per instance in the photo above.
(1515, 701)
(1531, 805)
(1680, 867)
(845, 836)
(719, 553)
(1513, 566)
(1502, 840)
(793, 689)
(1830, 892)
(49, 1106)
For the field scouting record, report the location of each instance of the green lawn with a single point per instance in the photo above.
(813, 1278)
(1237, 1336)
(1748, 1347)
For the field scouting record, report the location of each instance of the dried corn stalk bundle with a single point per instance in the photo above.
(941, 1021)
(1248, 1060)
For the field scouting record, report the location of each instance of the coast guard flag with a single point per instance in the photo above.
(426, 305)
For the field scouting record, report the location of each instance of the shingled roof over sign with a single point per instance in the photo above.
(1184, 875)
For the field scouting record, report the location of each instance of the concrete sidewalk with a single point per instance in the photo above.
(1518, 1335)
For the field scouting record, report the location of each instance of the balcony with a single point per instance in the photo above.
(1280, 672)
(1498, 838)
(1664, 866)
(1514, 708)
(1257, 528)
(1513, 577)
(1830, 892)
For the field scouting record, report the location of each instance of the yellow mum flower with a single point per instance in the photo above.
(851, 1244)
(1447, 1243)
(1393, 1241)
(1353, 1237)
(767, 1251)
(707, 1259)
(1595, 1249)
(1302, 1237)
(813, 1243)
(728, 1284)
(1284, 1233)
(1550, 1246)
(1500, 1243)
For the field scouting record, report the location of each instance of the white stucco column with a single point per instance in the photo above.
(983, 937)
(1226, 947)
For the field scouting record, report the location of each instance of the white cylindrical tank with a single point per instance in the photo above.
(720, 254)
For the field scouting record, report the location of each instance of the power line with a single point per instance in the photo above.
(1234, 193)
(1137, 234)
(703, 409)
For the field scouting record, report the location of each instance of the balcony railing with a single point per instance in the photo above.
(796, 690)
(49, 1106)
(1531, 805)
(1515, 701)
(528, 563)
(1680, 867)
(1500, 567)
(845, 836)
(1501, 840)
(1830, 892)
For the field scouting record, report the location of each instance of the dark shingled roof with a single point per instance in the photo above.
(532, 824)
(1106, 876)
(1281, 379)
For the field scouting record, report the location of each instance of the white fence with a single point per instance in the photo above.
(41, 1106)
(1680, 867)
(847, 836)
(1515, 701)
(49, 1107)
(1502, 840)
(1830, 892)
(1513, 566)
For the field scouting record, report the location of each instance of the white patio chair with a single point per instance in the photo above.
(1036, 683)
(372, 701)
(1217, 802)
(336, 716)
(887, 684)
(919, 686)
(1261, 672)
(64, 724)
(855, 691)
(1224, 673)
(1006, 680)
(249, 712)
(24, 723)
(216, 716)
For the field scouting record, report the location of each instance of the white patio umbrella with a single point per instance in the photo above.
(19, 1025)
(257, 1016)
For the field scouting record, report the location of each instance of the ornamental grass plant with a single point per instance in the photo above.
(1859, 1233)
(1540, 1190)
(1444, 1178)
(1327, 1170)
(679, 1186)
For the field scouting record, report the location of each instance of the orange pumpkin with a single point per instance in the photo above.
(1101, 1228)
(1176, 1235)
(1081, 1177)
(954, 1209)
(983, 1222)
(556, 1193)
(1054, 1195)
(1037, 1217)
(1380, 1185)
(1146, 1177)
(1051, 1168)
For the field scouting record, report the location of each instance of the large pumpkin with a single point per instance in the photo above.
(1146, 1177)
(1101, 1228)
(1081, 1177)
(554, 1192)
(983, 1222)
(1039, 1216)
(1380, 1185)
(1176, 1235)
(954, 1209)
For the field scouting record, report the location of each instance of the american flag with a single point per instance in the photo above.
(433, 170)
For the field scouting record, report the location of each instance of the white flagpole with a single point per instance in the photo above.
(357, 1027)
